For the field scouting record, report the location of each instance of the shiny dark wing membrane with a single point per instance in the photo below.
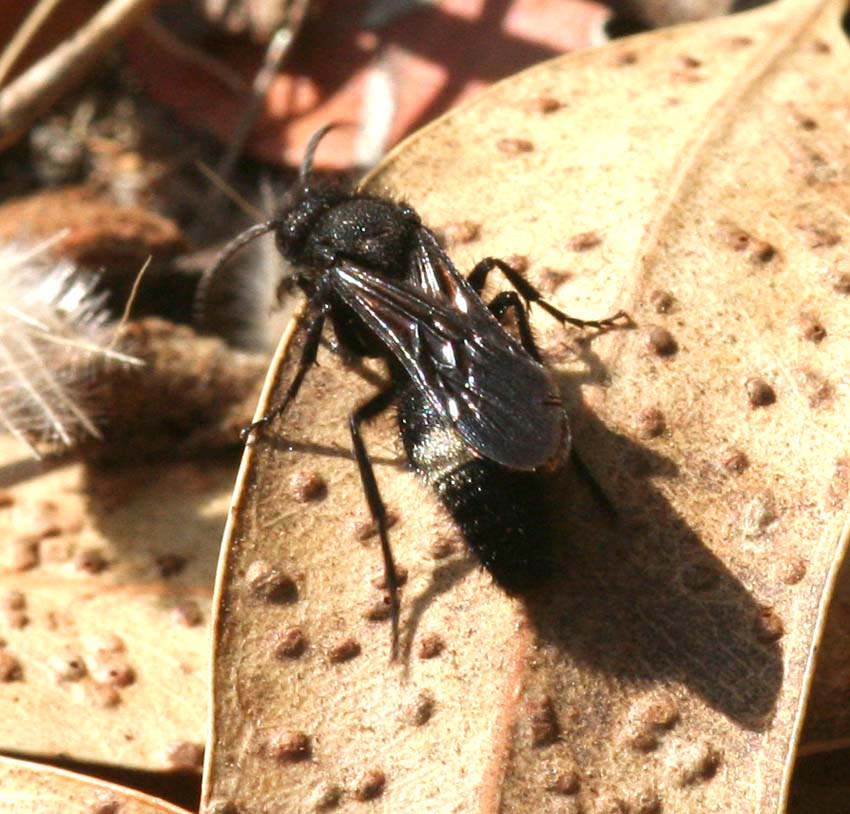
(501, 401)
(432, 271)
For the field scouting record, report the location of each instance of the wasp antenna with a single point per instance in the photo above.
(312, 145)
(233, 246)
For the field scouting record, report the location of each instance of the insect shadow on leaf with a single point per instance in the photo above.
(481, 417)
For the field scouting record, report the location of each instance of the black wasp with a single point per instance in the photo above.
(481, 418)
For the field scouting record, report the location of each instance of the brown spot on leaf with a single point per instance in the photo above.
(662, 301)
(103, 695)
(105, 803)
(692, 763)
(812, 328)
(584, 241)
(10, 667)
(760, 515)
(380, 581)
(442, 548)
(185, 756)
(734, 461)
(624, 58)
(768, 625)
(170, 565)
(379, 611)
(819, 236)
(550, 280)
(290, 644)
(518, 262)
(23, 555)
(464, 231)
(759, 392)
(740, 42)
(740, 240)
(112, 669)
(187, 612)
(306, 486)
(421, 710)
(430, 646)
(370, 785)
(543, 721)
(54, 519)
(104, 643)
(16, 620)
(839, 484)
(686, 68)
(543, 104)
(91, 560)
(270, 583)
(514, 146)
(816, 386)
(687, 61)
(344, 650)
(67, 666)
(13, 599)
(649, 717)
(289, 747)
(566, 782)
(364, 527)
(661, 342)
(840, 282)
(650, 422)
(792, 569)
(325, 797)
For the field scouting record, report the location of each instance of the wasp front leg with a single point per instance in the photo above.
(307, 360)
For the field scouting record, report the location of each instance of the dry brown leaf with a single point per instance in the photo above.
(697, 178)
(105, 583)
(27, 788)
(827, 723)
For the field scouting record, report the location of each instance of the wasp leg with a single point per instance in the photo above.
(308, 359)
(364, 412)
(507, 300)
(478, 276)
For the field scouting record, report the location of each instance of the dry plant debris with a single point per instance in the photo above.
(105, 584)
(668, 667)
(27, 788)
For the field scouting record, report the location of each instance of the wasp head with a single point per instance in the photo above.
(317, 226)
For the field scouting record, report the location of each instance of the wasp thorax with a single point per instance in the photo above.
(374, 233)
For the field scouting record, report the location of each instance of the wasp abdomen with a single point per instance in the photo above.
(503, 514)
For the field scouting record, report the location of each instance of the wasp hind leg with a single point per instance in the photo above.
(509, 300)
(364, 412)
(478, 277)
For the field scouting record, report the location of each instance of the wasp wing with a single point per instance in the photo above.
(502, 402)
